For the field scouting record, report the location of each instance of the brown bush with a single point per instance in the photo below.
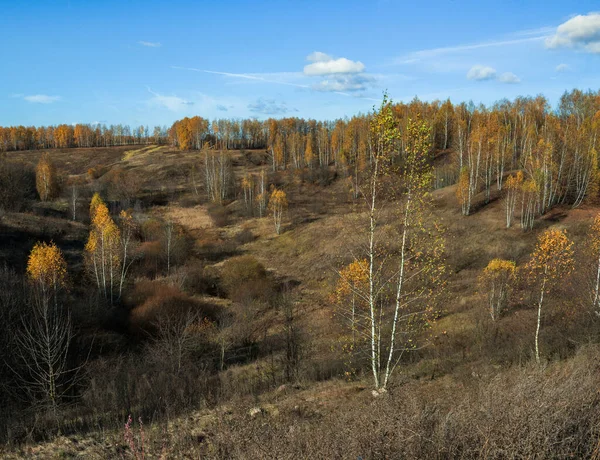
(218, 214)
(244, 236)
(245, 277)
(155, 301)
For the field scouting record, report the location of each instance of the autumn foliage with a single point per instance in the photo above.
(277, 205)
(46, 266)
(46, 180)
(496, 282)
(551, 261)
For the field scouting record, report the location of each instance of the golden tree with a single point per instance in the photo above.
(103, 250)
(497, 280)
(551, 261)
(45, 178)
(277, 205)
(43, 342)
(350, 295)
(513, 185)
(94, 203)
(309, 156)
(47, 269)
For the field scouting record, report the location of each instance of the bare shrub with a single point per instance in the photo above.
(245, 277)
(218, 214)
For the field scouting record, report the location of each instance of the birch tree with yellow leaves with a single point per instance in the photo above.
(400, 287)
(277, 205)
(497, 281)
(551, 261)
(103, 255)
(513, 185)
(46, 181)
(43, 342)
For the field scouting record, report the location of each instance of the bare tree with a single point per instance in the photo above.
(74, 201)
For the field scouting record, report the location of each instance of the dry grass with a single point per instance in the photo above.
(194, 219)
(467, 363)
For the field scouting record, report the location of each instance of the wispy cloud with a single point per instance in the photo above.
(580, 32)
(337, 84)
(421, 55)
(247, 76)
(270, 107)
(562, 68)
(37, 98)
(172, 103)
(344, 83)
(509, 77)
(150, 44)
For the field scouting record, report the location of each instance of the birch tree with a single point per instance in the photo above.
(551, 261)
(277, 205)
(43, 343)
(496, 281)
(45, 178)
(513, 185)
(399, 292)
(594, 246)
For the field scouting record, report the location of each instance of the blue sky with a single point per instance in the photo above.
(152, 62)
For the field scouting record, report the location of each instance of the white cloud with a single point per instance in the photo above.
(480, 73)
(41, 98)
(579, 32)
(270, 107)
(172, 103)
(508, 77)
(323, 64)
(562, 67)
(150, 44)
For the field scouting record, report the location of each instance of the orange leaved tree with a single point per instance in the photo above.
(45, 178)
(277, 205)
(43, 342)
(497, 280)
(551, 261)
(103, 249)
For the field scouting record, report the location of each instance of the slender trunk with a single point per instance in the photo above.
(399, 289)
(539, 322)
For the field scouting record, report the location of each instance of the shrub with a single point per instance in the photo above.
(218, 214)
(245, 277)
(156, 301)
(244, 236)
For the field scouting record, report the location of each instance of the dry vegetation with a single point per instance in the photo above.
(236, 349)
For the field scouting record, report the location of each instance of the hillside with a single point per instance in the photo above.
(471, 389)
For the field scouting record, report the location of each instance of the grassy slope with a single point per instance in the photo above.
(313, 244)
